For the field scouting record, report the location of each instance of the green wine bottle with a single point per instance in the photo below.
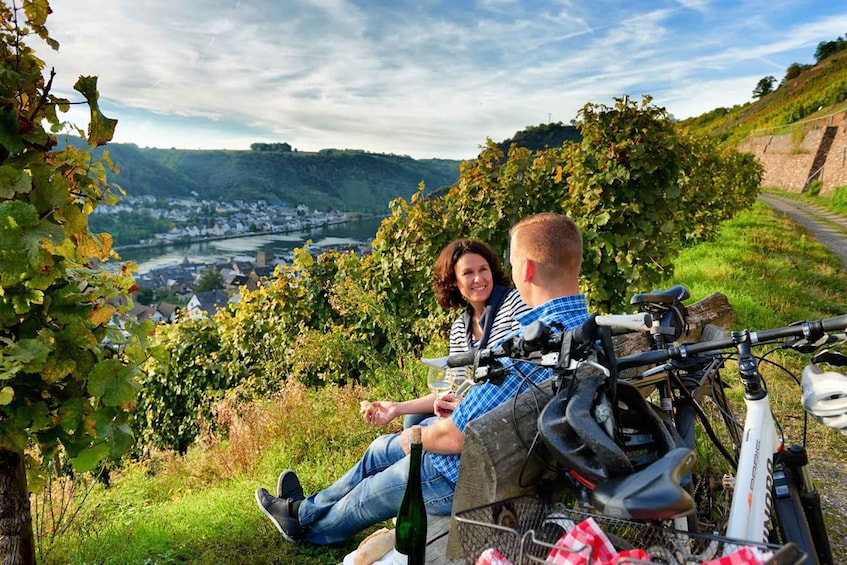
(410, 530)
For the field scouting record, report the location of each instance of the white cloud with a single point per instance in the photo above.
(427, 79)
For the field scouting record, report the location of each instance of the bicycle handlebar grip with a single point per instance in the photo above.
(640, 322)
(461, 359)
(838, 323)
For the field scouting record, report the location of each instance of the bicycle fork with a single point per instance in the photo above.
(749, 515)
(795, 497)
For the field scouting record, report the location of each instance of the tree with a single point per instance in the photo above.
(764, 86)
(67, 373)
(793, 71)
(211, 279)
(827, 48)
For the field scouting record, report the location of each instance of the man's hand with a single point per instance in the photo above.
(445, 405)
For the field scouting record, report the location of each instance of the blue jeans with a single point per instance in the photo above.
(371, 492)
(410, 420)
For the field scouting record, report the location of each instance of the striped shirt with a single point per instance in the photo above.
(571, 312)
(505, 322)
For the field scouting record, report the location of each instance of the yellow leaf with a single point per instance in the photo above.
(101, 314)
(559, 171)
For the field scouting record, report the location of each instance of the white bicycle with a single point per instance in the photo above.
(629, 458)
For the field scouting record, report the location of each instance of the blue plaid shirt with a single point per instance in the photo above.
(571, 312)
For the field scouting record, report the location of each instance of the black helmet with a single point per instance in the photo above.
(573, 430)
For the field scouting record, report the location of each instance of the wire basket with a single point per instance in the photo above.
(524, 530)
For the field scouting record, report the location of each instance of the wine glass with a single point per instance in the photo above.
(458, 377)
(438, 381)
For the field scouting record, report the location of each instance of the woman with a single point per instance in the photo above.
(468, 275)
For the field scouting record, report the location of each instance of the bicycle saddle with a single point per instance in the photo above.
(654, 493)
(669, 296)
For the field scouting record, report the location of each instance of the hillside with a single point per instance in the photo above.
(329, 179)
(806, 92)
(542, 136)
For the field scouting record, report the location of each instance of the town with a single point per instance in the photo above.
(195, 289)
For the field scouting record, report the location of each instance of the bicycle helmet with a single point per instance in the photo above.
(573, 431)
(825, 395)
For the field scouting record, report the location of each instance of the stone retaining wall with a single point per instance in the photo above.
(790, 161)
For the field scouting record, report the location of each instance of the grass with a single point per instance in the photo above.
(835, 202)
(200, 508)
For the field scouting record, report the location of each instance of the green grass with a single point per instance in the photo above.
(835, 202)
(200, 508)
(771, 270)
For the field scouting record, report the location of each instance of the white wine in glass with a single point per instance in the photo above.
(438, 382)
(459, 379)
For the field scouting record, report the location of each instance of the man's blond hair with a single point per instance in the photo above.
(552, 241)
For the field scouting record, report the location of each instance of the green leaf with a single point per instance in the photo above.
(9, 136)
(29, 354)
(13, 181)
(41, 418)
(112, 382)
(72, 414)
(101, 129)
(122, 440)
(7, 394)
(90, 457)
(36, 11)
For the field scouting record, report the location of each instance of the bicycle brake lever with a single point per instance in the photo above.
(577, 364)
(834, 358)
(493, 372)
(803, 345)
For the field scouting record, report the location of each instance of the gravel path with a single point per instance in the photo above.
(830, 475)
(830, 229)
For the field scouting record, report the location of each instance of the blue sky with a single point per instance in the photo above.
(425, 78)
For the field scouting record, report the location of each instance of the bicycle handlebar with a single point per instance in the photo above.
(538, 337)
(809, 330)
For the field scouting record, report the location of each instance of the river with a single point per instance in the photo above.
(207, 252)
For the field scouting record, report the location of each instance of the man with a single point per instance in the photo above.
(545, 254)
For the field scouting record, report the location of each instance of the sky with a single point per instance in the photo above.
(424, 78)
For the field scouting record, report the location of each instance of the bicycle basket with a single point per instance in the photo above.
(525, 530)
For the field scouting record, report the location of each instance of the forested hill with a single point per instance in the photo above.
(541, 137)
(328, 179)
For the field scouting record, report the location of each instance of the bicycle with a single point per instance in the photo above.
(796, 502)
(626, 468)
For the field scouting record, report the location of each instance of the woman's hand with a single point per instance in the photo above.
(445, 405)
(378, 413)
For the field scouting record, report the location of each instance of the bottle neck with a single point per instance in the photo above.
(415, 460)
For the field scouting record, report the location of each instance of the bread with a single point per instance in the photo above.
(374, 547)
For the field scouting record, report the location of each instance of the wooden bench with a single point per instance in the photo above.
(494, 464)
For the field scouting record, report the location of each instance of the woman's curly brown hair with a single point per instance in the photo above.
(444, 272)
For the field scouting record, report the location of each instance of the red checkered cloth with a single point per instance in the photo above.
(492, 557)
(743, 556)
(587, 544)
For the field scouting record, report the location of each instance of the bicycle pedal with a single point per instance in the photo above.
(728, 482)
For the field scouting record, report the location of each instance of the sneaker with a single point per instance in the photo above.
(279, 511)
(288, 486)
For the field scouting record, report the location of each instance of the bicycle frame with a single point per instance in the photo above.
(751, 501)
